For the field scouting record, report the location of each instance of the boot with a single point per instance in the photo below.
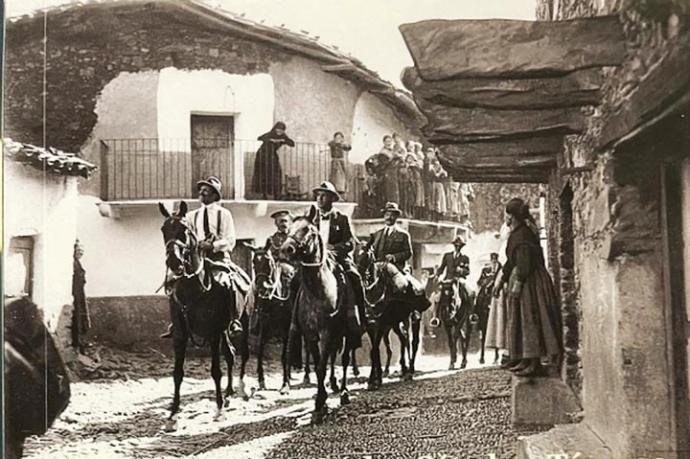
(168, 333)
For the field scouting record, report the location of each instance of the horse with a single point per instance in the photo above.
(482, 303)
(37, 386)
(198, 307)
(454, 317)
(396, 316)
(320, 318)
(273, 306)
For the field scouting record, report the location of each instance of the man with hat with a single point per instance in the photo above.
(215, 229)
(455, 263)
(335, 229)
(392, 244)
(282, 219)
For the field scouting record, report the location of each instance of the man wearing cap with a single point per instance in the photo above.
(282, 219)
(215, 229)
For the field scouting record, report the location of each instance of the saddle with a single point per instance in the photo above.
(403, 287)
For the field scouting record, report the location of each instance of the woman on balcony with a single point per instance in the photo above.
(338, 175)
(268, 174)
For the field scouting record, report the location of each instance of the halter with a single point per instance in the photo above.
(274, 285)
(186, 249)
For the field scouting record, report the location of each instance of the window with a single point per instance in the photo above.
(19, 268)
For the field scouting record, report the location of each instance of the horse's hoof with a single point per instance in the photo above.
(226, 402)
(371, 386)
(355, 372)
(463, 364)
(285, 389)
(306, 381)
(386, 373)
(334, 386)
(345, 398)
(170, 424)
(219, 416)
(407, 376)
(262, 385)
(451, 366)
(481, 361)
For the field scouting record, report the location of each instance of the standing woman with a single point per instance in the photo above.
(268, 174)
(81, 320)
(338, 175)
(534, 322)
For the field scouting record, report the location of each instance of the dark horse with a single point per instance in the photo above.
(320, 316)
(397, 315)
(455, 318)
(198, 307)
(273, 307)
(36, 382)
(482, 304)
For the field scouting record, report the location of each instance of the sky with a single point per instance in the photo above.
(366, 29)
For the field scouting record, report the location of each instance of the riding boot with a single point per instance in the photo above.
(235, 327)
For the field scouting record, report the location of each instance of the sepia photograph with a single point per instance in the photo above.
(345, 229)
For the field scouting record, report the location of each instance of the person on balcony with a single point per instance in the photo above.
(338, 175)
(214, 227)
(268, 174)
(438, 202)
(534, 320)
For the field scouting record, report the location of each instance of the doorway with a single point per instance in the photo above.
(212, 150)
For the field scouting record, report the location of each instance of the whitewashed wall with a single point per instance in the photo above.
(44, 208)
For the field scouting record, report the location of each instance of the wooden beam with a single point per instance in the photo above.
(479, 124)
(504, 162)
(662, 88)
(443, 49)
(578, 88)
(344, 67)
(530, 146)
(495, 172)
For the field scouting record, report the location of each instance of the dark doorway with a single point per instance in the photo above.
(212, 150)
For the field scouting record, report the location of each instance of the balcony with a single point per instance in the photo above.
(142, 170)
(146, 169)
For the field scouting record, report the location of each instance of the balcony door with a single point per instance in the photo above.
(212, 150)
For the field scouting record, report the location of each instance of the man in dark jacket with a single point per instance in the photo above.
(335, 229)
(455, 264)
(392, 244)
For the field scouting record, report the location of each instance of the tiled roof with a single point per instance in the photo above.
(54, 160)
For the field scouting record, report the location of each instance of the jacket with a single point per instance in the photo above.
(398, 244)
(455, 267)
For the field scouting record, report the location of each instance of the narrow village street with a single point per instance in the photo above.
(460, 413)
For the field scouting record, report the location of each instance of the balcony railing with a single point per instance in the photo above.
(138, 169)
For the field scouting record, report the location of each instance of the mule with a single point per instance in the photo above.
(396, 317)
(320, 318)
(455, 319)
(199, 308)
(480, 317)
(273, 309)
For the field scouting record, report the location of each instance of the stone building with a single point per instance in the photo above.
(592, 100)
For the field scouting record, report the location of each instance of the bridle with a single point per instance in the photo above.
(183, 251)
(273, 286)
(302, 245)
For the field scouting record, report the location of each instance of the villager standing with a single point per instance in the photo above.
(439, 202)
(534, 322)
(338, 174)
(268, 173)
(81, 320)
(496, 323)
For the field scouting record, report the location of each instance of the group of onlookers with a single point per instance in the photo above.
(406, 173)
(402, 171)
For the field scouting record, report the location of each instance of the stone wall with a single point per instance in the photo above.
(610, 251)
(490, 199)
(137, 40)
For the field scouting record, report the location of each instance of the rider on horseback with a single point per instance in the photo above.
(287, 277)
(337, 235)
(457, 267)
(392, 249)
(215, 229)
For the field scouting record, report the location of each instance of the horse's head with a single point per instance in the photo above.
(364, 259)
(178, 237)
(303, 241)
(264, 266)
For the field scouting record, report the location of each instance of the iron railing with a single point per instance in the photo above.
(138, 169)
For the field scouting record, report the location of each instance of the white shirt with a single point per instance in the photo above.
(325, 226)
(225, 235)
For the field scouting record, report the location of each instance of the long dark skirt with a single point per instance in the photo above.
(268, 174)
(534, 319)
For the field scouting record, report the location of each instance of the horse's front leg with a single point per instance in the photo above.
(229, 355)
(355, 367)
(375, 374)
(404, 350)
(319, 355)
(216, 374)
(344, 395)
(308, 357)
(285, 358)
(464, 336)
(452, 345)
(263, 335)
(333, 381)
(389, 352)
(416, 326)
(244, 356)
(482, 329)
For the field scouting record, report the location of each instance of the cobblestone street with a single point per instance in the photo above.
(457, 413)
